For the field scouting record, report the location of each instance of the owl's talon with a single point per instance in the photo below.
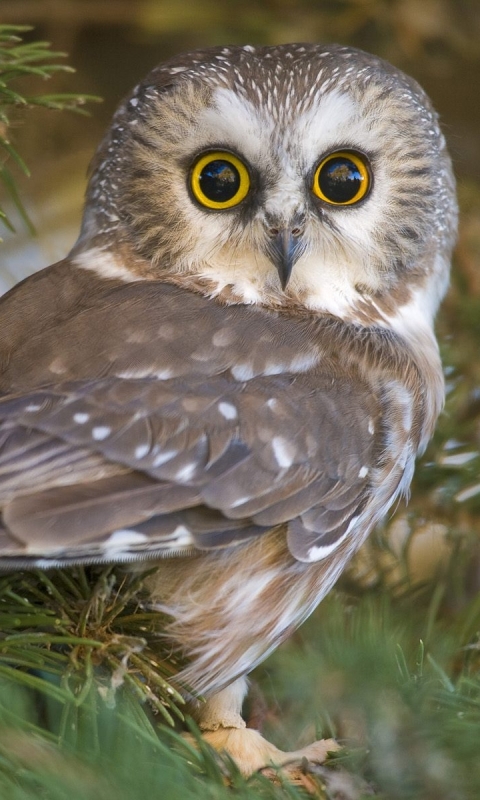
(223, 728)
(252, 752)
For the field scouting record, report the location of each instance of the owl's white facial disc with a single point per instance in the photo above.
(339, 251)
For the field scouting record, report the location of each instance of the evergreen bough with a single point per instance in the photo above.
(19, 60)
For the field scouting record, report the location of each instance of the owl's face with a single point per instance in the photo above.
(289, 175)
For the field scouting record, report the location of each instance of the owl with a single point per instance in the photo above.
(231, 373)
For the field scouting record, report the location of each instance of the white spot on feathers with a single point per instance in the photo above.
(141, 450)
(118, 544)
(242, 372)
(186, 472)
(81, 417)
(163, 457)
(125, 536)
(101, 432)
(101, 261)
(57, 366)
(182, 536)
(283, 451)
(227, 410)
(317, 552)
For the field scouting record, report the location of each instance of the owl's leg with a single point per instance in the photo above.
(223, 727)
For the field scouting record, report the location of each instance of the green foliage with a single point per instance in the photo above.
(65, 631)
(20, 60)
(395, 674)
(115, 757)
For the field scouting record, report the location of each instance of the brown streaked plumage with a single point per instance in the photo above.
(242, 387)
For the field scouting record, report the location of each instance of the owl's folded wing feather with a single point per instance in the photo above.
(155, 440)
(83, 476)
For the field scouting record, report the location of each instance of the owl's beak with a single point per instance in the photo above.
(284, 248)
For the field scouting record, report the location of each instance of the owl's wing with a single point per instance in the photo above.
(195, 463)
(161, 437)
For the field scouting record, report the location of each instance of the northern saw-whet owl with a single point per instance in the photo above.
(233, 370)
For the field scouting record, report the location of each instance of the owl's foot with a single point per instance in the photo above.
(252, 752)
(223, 727)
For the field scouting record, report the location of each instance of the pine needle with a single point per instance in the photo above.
(20, 60)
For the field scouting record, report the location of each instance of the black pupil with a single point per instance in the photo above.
(340, 180)
(219, 181)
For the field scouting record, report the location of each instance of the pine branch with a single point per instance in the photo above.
(19, 60)
(64, 632)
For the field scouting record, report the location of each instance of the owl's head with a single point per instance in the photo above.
(296, 175)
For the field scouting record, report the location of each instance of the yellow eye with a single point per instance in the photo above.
(219, 180)
(342, 179)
